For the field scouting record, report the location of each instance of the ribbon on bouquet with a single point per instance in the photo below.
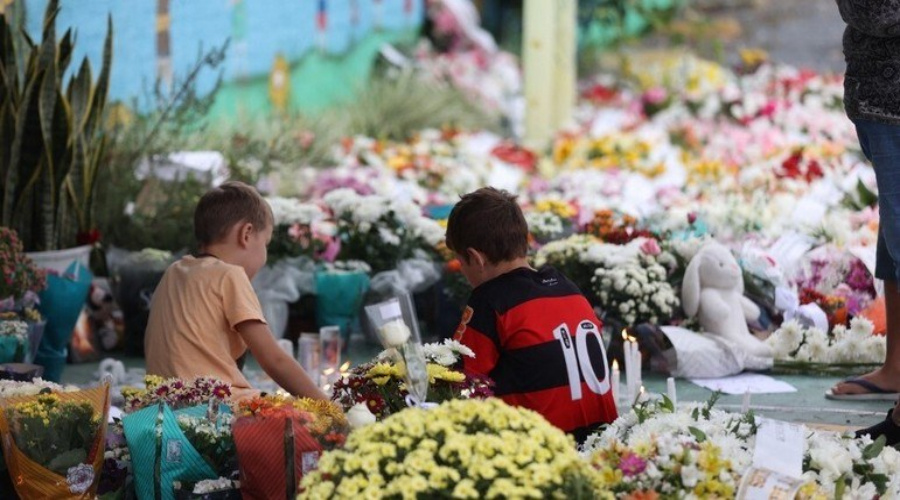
(808, 315)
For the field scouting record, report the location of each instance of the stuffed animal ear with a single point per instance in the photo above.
(690, 286)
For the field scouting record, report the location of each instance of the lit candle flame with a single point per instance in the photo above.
(345, 366)
(624, 334)
(326, 387)
(642, 389)
(615, 365)
(328, 371)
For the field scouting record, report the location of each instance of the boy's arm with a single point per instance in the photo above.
(283, 369)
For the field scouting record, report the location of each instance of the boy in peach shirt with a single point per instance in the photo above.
(205, 315)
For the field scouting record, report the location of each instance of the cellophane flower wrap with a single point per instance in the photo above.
(380, 385)
(13, 339)
(279, 440)
(460, 449)
(178, 431)
(702, 452)
(53, 442)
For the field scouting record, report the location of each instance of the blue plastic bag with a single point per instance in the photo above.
(339, 296)
(61, 303)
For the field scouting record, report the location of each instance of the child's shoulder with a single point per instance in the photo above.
(205, 267)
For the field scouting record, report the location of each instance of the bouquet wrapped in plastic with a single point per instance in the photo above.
(187, 445)
(340, 289)
(397, 328)
(178, 431)
(53, 442)
(13, 340)
(280, 439)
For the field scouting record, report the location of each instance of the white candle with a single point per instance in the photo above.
(616, 380)
(638, 361)
(629, 374)
(745, 405)
(670, 390)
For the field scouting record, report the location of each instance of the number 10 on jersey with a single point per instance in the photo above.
(577, 357)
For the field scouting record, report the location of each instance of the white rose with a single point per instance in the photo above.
(360, 416)
(394, 333)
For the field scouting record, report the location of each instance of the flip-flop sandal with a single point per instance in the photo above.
(875, 393)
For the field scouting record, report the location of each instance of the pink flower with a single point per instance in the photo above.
(632, 465)
(650, 247)
(656, 95)
(332, 248)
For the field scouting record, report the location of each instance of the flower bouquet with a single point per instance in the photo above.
(379, 385)
(19, 289)
(53, 442)
(397, 328)
(631, 283)
(13, 340)
(280, 439)
(463, 449)
(340, 289)
(844, 350)
(698, 452)
(178, 431)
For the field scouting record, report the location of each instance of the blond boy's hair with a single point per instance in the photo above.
(229, 204)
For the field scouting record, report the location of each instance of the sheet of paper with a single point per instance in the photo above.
(779, 447)
(764, 484)
(754, 383)
(391, 310)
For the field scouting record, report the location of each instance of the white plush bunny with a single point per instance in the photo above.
(713, 288)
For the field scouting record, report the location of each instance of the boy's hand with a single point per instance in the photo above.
(279, 365)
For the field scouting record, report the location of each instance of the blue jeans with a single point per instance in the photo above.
(880, 143)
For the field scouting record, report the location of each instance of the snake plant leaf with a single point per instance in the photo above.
(79, 94)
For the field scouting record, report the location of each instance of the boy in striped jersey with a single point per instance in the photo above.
(532, 331)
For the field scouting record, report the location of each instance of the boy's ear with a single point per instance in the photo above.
(245, 231)
(476, 257)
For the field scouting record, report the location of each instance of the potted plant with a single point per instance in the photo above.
(51, 138)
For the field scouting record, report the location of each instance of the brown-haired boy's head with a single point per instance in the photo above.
(488, 226)
(235, 221)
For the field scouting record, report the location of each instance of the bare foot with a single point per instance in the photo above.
(881, 377)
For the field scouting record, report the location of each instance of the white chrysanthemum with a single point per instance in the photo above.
(388, 237)
(861, 328)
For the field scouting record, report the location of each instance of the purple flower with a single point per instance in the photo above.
(632, 465)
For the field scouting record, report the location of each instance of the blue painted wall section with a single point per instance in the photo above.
(325, 43)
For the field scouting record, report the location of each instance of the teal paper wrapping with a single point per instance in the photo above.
(176, 457)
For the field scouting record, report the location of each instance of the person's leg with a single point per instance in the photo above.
(881, 145)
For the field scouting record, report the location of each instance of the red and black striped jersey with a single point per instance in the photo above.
(537, 337)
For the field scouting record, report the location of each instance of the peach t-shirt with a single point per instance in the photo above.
(191, 330)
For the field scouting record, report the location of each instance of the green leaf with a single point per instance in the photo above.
(874, 449)
(695, 414)
(840, 486)
(698, 434)
(63, 461)
(866, 197)
(667, 405)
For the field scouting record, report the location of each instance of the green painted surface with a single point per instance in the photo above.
(317, 81)
(807, 405)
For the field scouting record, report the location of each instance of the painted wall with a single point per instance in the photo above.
(301, 54)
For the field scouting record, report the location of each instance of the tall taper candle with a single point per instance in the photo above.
(616, 380)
